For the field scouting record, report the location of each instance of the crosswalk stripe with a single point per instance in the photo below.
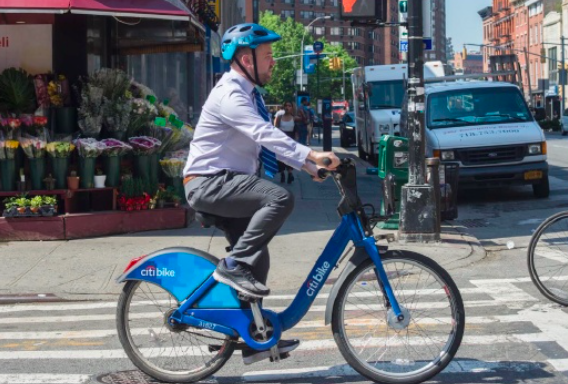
(456, 366)
(113, 304)
(101, 333)
(40, 378)
(309, 345)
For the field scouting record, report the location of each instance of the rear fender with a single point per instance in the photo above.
(180, 271)
(358, 257)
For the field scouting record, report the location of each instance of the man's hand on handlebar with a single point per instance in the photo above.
(327, 160)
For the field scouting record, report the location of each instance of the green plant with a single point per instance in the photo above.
(49, 200)
(17, 93)
(73, 174)
(99, 172)
(36, 201)
(10, 202)
(22, 202)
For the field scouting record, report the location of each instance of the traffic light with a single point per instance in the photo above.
(363, 10)
(331, 63)
(335, 63)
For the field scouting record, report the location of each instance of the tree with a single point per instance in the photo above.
(283, 84)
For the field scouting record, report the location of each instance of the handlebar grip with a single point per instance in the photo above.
(326, 161)
(323, 173)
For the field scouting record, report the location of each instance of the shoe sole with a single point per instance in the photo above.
(236, 287)
(266, 354)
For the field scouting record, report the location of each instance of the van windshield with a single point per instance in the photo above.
(385, 94)
(476, 106)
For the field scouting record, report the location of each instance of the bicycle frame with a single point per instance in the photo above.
(236, 322)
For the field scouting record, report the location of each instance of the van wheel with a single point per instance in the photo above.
(542, 190)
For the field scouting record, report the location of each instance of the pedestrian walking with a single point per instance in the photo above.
(284, 121)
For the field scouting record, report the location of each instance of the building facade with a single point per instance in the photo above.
(472, 63)
(438, 22)
(368, 46)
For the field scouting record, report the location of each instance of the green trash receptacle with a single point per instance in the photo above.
(393, 172)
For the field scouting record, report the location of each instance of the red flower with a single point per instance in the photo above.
(40, 121)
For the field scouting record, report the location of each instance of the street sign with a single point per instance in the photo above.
(318, 46)
(403, 45)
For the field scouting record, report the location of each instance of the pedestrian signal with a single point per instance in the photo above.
(363, 10)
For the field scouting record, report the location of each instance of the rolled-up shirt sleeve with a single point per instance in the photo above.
(240, 113)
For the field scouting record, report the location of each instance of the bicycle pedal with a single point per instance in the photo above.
(243, 297)
(282, 356)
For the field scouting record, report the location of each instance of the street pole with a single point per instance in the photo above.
(527, 68)
(343, 70)
(317, 76)
(302, 49)
(563, 78)
(418, 213)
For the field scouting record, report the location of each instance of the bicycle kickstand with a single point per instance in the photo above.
(261, 328)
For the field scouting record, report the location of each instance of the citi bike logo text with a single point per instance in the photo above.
(151, 271)
(317, 278)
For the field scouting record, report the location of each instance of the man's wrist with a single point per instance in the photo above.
(312, 155)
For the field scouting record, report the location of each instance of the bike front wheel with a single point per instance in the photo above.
(548, 258)
(174, 354)
(383, 349)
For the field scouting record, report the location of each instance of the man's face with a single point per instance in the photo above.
(264, 61)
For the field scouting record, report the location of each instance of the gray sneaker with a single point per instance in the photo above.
(251, 356)
(241, 279)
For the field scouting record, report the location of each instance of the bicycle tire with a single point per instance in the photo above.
(547, 258)
(143, 344)
(403, 366)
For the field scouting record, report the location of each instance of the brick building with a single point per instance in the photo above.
(367, 45)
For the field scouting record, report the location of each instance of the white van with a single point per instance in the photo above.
(487, 128)
(378, 92)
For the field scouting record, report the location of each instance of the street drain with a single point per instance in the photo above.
(137, 377)
(126, 377)
(473, 223)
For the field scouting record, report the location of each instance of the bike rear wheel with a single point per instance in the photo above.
(172, 354)
(384, 350)
(548, 258)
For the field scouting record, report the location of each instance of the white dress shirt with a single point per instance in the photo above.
(230, 133)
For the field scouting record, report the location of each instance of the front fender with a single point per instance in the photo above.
(358, 257)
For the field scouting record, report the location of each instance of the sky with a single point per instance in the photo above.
(463, 24)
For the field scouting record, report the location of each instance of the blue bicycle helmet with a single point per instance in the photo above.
(245, 35)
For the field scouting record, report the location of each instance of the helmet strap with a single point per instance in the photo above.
(256, 79)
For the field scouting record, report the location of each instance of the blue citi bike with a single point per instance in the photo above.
(396, 316)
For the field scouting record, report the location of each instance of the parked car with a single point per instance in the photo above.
(347, 130)
(564, 123)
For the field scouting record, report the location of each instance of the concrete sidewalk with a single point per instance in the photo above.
(87, 269)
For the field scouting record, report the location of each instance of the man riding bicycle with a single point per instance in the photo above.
(234, 129)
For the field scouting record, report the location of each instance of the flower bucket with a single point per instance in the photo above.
(8, 173)
(112, 170)
(154, 167)
(87, 172)
(177, 183)
(65, 120)
(142, 167)
(60, 166)
(37, 170)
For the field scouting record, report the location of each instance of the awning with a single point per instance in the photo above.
(154, 9)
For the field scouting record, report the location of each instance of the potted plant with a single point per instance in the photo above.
(100, 178)
(176, 200)
(22, 204)
(17, 93)
(10, 207)
(34, 148)
(49, 205)
(59, 152)
(73, 180)
(89, 149)
(35, 203)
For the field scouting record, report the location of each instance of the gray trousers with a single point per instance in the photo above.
(258, 208)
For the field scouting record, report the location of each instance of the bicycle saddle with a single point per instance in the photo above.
(207, 220)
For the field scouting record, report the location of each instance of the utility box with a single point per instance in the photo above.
(393, 172)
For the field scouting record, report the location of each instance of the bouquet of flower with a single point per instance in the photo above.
(116, 115)
(34, 124)
(165, 111)
(182, 135)
(173, 167)
(113, 147)
(89, 147)
(90, 111)
(60, 149)
(115, 83)
(34, 146)
(141, 91)
(58, 91)
(142, 114)
(144, 145)
(8, 148)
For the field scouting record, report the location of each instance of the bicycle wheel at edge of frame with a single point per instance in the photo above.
(146, 366)
(530, 256)
(455, 336)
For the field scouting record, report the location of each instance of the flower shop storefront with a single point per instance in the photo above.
(94, 130)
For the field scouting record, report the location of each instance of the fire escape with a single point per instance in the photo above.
(205, 12)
